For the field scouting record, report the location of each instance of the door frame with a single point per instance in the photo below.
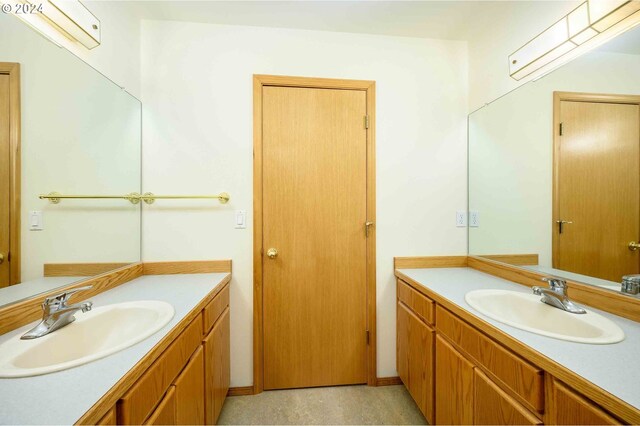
(558, 97)
(260, 81)
(12, 69)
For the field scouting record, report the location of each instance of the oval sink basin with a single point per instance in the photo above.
(93, 335)
(527, 312)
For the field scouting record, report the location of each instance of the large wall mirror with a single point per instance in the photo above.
(80, 134)
(554, 170)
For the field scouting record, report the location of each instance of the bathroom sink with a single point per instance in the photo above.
(527, 312)
(93, 335)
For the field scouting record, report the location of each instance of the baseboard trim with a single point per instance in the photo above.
(240, 391)
(388, 381)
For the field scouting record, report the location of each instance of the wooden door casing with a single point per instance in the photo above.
(314, 211)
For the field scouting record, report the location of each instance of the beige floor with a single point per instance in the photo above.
(344, 405)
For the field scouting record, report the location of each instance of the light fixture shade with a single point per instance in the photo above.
(73, 19)
(578, 20)
(553, 38)
(589, 25)
(617, 11)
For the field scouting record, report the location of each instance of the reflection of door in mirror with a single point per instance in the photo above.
(597, 184)
(9, 174)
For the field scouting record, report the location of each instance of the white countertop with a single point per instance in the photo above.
(64, 397)
(611, 367)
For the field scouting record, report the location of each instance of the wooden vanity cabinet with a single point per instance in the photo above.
(188, 382)
(415, 346)
(459, 375)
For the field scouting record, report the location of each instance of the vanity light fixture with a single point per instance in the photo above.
(67, 17)
(589, 25)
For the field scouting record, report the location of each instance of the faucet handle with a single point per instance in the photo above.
(555, 284)
(62, 298)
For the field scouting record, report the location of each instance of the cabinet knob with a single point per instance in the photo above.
(1, 257)
(633, 246)
(272, 253)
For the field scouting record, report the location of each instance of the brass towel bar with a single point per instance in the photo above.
(135, 198)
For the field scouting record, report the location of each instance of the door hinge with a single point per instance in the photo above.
(561, 128)
(366, 121)
(367, 336)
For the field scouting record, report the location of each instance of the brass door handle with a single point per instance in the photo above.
(633, 246)
(272, 253)
(1, 257)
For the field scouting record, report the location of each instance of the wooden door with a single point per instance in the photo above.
(217, 361)
(567, 407)
(454, 386)
(5, 182)
(190, 392)
(314, 195)
(598, 189)
(492, 405)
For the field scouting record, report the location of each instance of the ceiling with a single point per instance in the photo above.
(448, 20)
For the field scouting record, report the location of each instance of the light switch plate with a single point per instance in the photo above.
(474, 219)
(35, 220)
(241, 219)
(461, 219)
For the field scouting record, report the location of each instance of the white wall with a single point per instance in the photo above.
(500, 32)
(511, 154)
(197, 96)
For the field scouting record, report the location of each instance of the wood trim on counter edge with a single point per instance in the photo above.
(186, 267)
(108, 400)
(582, 385)
(429, 262)
(28, 310)
(606, 300)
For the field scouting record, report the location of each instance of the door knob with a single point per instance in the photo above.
(633, 246)
(272, 253)
(1, 257)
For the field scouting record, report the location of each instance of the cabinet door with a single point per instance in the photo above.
(570, 408)
(217, 367)
(165, 413)
(190, 391)
(415, 359)
(492, 406)
(454, 385)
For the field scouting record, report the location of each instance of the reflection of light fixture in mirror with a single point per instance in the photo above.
(67, 17)
(589, 25)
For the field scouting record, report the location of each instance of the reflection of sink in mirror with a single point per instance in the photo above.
(527, 312)
(96, 334)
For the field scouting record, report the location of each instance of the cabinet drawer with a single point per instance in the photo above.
(138, 402)
(165, 414)
(215, 308)
(421, 305)
(513, 372)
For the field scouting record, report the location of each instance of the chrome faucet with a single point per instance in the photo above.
(556, 296)
(57, 314)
